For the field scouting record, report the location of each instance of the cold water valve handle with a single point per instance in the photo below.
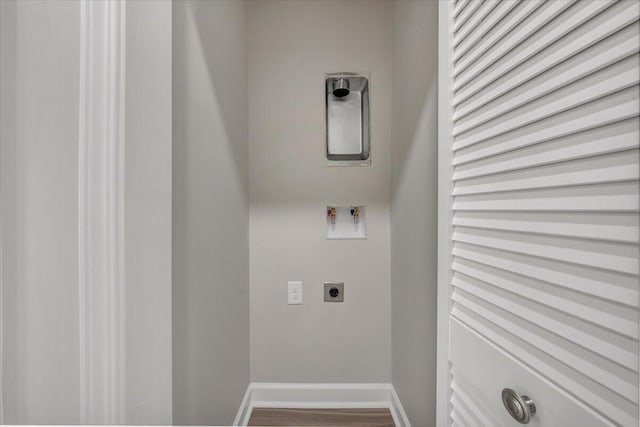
(355, 213)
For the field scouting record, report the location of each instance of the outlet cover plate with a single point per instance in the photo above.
(294, 294)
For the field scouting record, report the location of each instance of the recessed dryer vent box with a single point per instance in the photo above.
(347, 119)
(346, 222)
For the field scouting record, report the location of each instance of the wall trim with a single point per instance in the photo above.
(321, 395)
(101, 212)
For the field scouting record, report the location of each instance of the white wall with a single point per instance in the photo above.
(39, 200)
(210, 212)
(148, 212)
(414, 207)
(291, 45)
(290, 187)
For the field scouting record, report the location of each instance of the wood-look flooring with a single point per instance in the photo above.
(369, 417)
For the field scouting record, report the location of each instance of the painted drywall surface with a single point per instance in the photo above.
(39, 198)
(148, 212)
(210, 212)
(414, 208)
(291, 45)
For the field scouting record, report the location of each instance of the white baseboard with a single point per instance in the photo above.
(305, 395)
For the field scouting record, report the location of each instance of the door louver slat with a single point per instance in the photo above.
(545, 170)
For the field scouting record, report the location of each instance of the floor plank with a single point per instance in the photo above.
(369, 417)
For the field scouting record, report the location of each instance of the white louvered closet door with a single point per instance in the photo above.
(542, 135)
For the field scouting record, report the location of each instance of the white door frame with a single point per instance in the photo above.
(100, 215)
(101, 212)
(445, 173)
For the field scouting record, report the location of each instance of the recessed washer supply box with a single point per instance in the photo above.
(344, 225)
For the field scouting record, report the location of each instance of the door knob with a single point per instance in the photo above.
(521, 408)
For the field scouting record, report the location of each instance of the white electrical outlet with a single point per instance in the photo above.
(295, 293)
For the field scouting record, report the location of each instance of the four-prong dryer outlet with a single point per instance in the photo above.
(333, 291)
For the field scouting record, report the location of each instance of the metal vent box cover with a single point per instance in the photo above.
(347, 120)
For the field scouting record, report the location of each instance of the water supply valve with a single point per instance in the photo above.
(331, 213)
(355, 213)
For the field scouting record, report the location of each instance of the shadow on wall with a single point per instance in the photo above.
(12, 408)
(422, 145)
(225, 80)
(210, 212)
(414, 208)
(413, 266)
